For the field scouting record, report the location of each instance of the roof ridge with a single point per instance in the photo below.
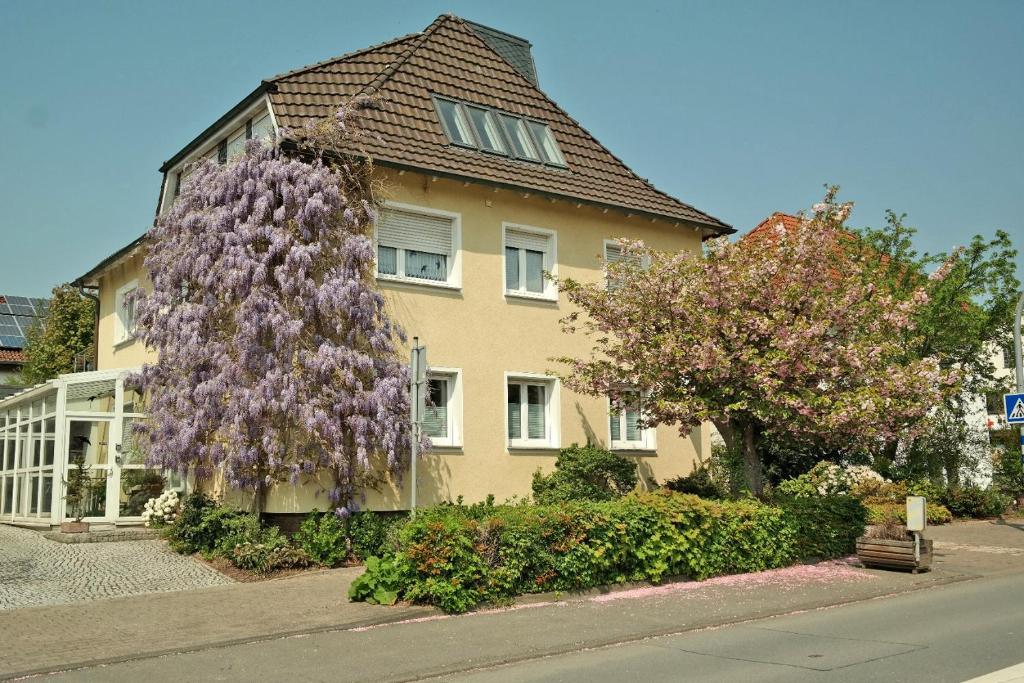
(340, 58)
(382, 77)
(586, 132)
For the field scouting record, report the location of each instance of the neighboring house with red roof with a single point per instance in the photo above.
(488, 184)
(768, 226)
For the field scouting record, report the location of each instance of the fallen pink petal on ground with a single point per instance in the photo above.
(787, 577)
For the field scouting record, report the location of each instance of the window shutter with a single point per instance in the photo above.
(613, 254)
(535, 412)
(515, 416)
(518, 239)
(416, 231)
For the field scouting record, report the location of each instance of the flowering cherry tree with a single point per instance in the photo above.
(277, 360)
(784, 337)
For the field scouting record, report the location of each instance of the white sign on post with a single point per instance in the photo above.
(916, 517)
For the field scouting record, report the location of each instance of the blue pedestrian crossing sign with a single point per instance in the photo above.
(1014, 404)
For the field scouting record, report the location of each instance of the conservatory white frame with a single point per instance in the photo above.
(35, 418)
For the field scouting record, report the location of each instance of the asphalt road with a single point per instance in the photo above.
(950, 633)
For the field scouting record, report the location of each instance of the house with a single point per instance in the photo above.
(17, 315)
(488, 185)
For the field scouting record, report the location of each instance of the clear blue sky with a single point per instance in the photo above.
(740, 108)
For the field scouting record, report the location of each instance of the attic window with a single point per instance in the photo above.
(498, 132)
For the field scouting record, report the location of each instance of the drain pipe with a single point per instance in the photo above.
(96, 324)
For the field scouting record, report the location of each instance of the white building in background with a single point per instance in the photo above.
(1002, 359)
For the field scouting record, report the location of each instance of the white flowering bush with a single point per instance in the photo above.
(162, 510)
(829, 479)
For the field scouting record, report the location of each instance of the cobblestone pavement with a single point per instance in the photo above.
(36, 571)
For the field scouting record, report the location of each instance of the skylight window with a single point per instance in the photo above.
(456, 123)
(498, 132)
(546, 143)
(487, 130)
(519, 135)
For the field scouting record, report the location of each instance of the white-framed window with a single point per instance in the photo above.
(624, 429)
(531, 411)
(124, 313)
(442, 421)
(529, 252)
(418, 245)
(613, 253)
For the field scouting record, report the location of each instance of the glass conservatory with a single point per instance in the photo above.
(82, 418)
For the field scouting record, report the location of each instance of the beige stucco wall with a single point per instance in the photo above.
(486, 334)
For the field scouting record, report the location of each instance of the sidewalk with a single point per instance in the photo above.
(40, 639)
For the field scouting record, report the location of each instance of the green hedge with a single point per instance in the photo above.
(824, 526)
(457, 558)
(883, 512)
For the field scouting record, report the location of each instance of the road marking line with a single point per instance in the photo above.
(1010, 674)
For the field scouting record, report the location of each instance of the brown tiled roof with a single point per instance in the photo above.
(448, 58)
(12, 356)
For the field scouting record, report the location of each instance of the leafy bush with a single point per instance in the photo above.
(205, 527)
(324, 538)
(585, 473)
(884, 512)
(699, 483)
(975, 502)
(379, 584)
(1007, 469)
(457, 558)
(267, 552)
(375, 534)
(187, 534)
(824, 526)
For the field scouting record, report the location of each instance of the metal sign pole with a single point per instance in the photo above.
(417, 379)
(1018, 361)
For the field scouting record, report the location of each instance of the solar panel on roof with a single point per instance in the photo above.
(17, 315)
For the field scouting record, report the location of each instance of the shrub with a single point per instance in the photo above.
(975, 502)
(824, 526)
(1007, 469)
(699, 483)
(375, 534)
(827, 478)
(379, 584)
(585, 473)
(160, 511)
(187, 534)
(885, 512)
(324, 538)
(266, 552)
(456, 558)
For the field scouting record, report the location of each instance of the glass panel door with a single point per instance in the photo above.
(89, 448)
(136, 483)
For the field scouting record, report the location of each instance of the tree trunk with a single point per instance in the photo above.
(751, 461)
(259, 498)
(740, 438)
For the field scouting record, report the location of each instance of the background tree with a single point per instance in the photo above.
(786, 341)
(969, 313)
(277, 359)
(63, 339)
